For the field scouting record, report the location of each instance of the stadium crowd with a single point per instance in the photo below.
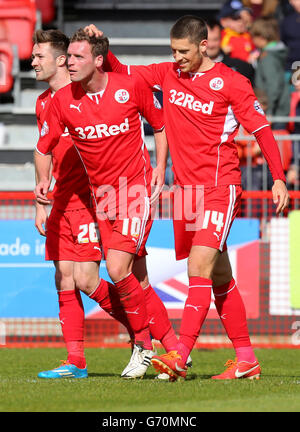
(258, 38)
(264, 35)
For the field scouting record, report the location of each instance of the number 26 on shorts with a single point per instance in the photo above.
(88, 233)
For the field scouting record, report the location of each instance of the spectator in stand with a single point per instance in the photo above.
(236, 40)
(270, 74)
(215, 52)
(290, 34)
(262, 8)
(294, 128)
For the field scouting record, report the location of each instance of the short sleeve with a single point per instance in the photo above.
(148, 105)
(51, 129)
(245, 105)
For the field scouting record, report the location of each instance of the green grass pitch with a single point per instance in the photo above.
(278, 390)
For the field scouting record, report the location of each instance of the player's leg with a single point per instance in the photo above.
(60, 249)
(71, 315)
(119, 266)
(231, 309)
(211, 228)
(200, 266)
(87, 280)
(159, 323)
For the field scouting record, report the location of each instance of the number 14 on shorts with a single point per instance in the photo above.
(216, 218)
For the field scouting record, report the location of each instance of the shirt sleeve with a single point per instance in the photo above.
(245, 105)
(51, 129)
(148, 105)
(37, 113)
(269, 148)
(153, 74)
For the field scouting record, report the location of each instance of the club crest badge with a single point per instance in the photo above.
(122, 96)
(216, 83)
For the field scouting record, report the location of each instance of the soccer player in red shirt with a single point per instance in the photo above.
(71, 233)
(204, 103)
(102, 114)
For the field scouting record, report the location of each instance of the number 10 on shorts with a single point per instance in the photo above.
(132, 227)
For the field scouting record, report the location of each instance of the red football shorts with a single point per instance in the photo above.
(72, 236)
(204, 217)
(125, 221)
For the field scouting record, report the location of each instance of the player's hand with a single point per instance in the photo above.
(41, 217)
(92, 30)
(157, 183)
(41, 191)
(280, 196)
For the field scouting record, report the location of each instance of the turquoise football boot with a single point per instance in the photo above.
(66, 370)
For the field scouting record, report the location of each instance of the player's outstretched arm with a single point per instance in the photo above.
(42, 169)
(152, 74)
(158, 175)
(280, 196)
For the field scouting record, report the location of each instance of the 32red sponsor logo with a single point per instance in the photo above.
(188, 101)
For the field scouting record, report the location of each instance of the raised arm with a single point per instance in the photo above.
(248, 112)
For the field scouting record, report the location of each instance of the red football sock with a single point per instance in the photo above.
(159, 323)
(231, 309)
(107, 297)
(71, 315)
(133, 300)
(169, 340)
(195, 310)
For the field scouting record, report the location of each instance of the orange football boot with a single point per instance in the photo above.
(170, 363)
(237, 370)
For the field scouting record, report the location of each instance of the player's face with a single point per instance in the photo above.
(213, 42)
(43, 61)
(188, 55)
(81, 63)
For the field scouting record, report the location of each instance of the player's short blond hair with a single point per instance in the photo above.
(191, 27)
(99, 45)
(57, 39)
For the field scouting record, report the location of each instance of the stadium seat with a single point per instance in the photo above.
(47, 9)
(20, 19)
(6, 65)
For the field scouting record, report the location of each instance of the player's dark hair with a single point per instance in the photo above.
(191, 27)
(57, 39)
(99, 45)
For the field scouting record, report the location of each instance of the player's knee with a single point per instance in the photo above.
(199, 269)
(64, 282)
(221, 278)
(85, 282)
(117, 271)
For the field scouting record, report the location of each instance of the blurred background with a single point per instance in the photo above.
(258, 38)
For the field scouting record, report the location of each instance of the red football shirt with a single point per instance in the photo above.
(71, 189)
(202, 116)
(107, 131)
